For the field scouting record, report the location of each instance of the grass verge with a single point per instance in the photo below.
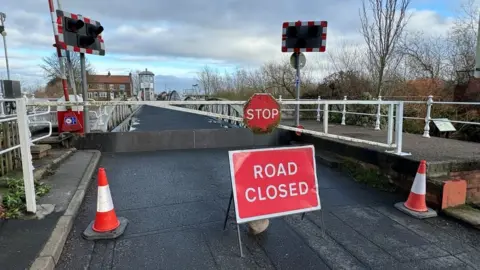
(13, 203)
(367, 175)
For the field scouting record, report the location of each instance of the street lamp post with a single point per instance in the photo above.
(3, 16)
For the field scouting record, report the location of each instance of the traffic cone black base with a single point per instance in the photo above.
(90, 234)
(420, 215)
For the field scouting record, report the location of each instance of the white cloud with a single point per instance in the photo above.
(146, 33)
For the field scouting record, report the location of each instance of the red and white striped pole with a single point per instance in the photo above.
(59, 52)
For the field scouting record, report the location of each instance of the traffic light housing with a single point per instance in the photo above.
(79, 34)
(310, 36)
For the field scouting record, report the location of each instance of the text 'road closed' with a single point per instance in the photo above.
(274, 182)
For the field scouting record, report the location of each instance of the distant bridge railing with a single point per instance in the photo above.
(101, 118)
(232, 111)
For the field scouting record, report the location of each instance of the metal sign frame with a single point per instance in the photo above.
(322, 48)
(61, 38)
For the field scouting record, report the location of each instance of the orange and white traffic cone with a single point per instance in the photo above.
(416, 204)
(106, 218)
(106, 224)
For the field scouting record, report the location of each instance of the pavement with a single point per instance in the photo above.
(21, 241)
(150, 118)
(176, 202)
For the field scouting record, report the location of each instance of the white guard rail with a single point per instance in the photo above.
(396, 106)
(427, 119)
(23, 120)
(101, 118)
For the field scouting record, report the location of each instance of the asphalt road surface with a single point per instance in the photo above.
(151, 118)
(176, 202)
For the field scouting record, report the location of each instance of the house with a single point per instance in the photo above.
(108, 87)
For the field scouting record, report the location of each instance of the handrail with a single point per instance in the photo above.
(429, 103)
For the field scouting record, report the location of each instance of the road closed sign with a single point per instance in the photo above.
(273, 182)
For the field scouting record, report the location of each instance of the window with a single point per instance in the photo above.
(90, 95)
(103, 94)
(111, 87)
(100, 86)
(122, 87)
(95, 94)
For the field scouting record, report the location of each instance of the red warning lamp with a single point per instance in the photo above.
(73, 25)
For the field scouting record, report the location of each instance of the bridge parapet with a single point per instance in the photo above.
(101, 118)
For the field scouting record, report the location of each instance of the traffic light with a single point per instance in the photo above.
(304, 36)
(91, 34)
(73, 25)
(2, 29)
(79, 34)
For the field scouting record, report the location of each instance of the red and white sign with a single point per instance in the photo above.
(299, 132)
(58, 31)
(261, 113)
(274, 182)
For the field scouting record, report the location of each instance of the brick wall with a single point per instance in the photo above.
(473, 184)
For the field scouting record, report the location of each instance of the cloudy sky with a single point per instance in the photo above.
(176, 38)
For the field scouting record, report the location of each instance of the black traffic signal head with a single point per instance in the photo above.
(91, 34)
(2, 28)
(93, 30)
(304, 36)
(85, 41)
(73, 25)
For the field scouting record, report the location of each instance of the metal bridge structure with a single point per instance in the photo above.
(195, 178)
(116, 116)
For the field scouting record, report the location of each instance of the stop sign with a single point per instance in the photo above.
(261, 113)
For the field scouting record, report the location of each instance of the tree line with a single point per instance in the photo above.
(390, 62)
(388, 56)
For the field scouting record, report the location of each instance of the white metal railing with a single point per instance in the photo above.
(393, 106)
(23, 118)
(101, 118)
(108, 117)
(378, 115)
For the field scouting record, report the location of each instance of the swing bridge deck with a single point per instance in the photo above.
(168, 173)
(177, 204)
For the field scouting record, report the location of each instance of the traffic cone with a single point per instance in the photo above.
(106, 224)
(416, 204)
(416, 200)
(105, 219)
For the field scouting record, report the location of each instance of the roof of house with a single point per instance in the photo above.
(113, 79)
(146, 72)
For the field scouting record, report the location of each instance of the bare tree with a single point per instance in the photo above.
(51, 68)
(463, 39)
(382, 23)
(209, 80)
(135, 81)
(347, 56)
(425, 56)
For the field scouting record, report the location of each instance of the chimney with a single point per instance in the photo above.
(109, 74)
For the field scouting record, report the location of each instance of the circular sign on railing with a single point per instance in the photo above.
(299, 132)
